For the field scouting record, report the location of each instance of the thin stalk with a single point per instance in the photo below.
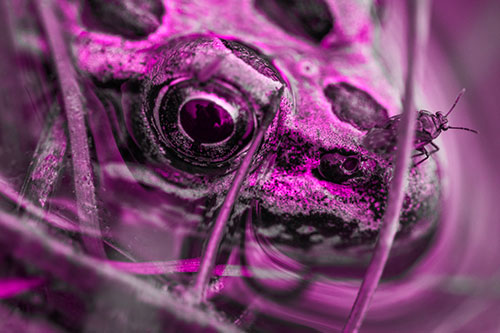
(35, 212)
(208, 261)
(75, 114)
(192, 266)
(47, 161)
(390, 220)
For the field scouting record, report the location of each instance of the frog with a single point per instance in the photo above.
(174, 94)
(315, 187)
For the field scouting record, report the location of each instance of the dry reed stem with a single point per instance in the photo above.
(75, 114)
(390, 220)
(208, 259)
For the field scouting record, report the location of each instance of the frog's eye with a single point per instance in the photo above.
(203, 123)
(200, 103)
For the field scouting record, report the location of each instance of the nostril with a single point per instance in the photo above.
(337, 168)
(350, 165)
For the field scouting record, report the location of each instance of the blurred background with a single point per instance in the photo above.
(468, 33)
(464, 52)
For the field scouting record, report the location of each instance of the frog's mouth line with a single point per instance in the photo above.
(343, 253)
(304, 278)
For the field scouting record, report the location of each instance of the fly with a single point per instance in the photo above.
(381, 139)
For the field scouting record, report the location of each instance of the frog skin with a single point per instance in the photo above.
(336, 90)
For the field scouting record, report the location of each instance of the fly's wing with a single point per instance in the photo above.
(381, 140)
(427, 126)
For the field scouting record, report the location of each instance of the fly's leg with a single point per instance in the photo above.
(436, 148)
(422, 152)
(426, 153)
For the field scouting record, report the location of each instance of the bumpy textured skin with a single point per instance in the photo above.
(297, 207)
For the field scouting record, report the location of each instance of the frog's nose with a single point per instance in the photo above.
(338, 168)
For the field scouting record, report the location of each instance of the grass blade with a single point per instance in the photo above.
(390, 220)
(208, 260)
(75, 115)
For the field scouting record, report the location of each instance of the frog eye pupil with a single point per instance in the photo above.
(350, 164)
(205, 121)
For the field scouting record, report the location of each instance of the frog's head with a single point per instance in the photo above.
(191, 96)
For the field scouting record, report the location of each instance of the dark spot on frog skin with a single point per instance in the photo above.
(293, 152)
(132, 19)
(309, 19)
(355, 106)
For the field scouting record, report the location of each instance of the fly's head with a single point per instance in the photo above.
(442, 121)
